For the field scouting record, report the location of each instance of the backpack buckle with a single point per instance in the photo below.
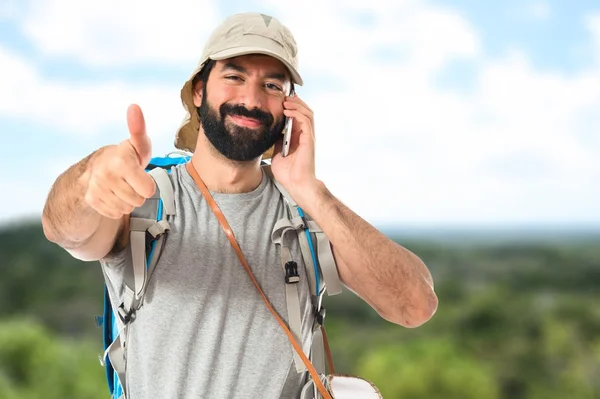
(291, 273)
(125, 316)
(320, 317)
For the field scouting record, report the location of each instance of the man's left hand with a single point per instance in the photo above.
(296, 172)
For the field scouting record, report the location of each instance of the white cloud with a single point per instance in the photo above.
(391, 143)
(112, 32)
(82, 109)
(333, 44)
(592, 23)
(444, 174)
(429, 149)
(11, 9)
(539, 10)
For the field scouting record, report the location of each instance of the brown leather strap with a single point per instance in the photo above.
(328, 356)
(229, 233)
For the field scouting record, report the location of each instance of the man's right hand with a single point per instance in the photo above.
(118, 181)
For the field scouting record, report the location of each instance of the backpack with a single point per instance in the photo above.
(149, 226)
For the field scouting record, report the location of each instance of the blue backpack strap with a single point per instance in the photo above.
(167, 162)
(149, 224)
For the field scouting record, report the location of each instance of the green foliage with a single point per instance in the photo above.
(35, 364)
(44, 282)
(515, 320)
(434, 369)
(524, 315)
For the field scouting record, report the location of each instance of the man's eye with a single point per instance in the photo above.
(272, 86)
(232, 77)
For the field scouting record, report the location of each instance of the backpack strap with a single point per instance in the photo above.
(147, 221)
(280, 237)
(320, 265)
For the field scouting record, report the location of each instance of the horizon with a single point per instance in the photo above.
(447, 234)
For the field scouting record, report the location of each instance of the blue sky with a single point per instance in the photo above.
(428, 113)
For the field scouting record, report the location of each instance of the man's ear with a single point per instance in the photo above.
(198, 92)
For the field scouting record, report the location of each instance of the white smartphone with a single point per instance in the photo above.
(287, 137)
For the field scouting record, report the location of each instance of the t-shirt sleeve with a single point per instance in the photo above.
(115, 259)
(113, 267)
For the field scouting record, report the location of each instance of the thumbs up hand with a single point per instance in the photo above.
(117, 180)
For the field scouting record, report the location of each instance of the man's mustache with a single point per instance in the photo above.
(239, 110)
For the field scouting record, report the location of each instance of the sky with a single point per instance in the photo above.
(427, 113)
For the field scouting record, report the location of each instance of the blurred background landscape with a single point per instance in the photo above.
(518, 318)
(468, 131)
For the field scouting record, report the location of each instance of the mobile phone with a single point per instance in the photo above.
(287, 137)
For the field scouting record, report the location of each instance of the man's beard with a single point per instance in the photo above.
(235, 142)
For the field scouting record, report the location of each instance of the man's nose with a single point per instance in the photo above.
(252, 96)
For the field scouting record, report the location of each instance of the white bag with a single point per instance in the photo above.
(341, 386)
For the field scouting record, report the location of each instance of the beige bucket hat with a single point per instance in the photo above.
(239, 34)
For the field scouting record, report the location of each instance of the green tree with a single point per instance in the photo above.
(428, 369)
(36, 365)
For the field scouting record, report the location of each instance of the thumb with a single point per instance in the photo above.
(138, 137)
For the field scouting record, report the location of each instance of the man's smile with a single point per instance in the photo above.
(245, 122)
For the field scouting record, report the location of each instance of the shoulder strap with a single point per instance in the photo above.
(150, 219)
(279, 236)
(229, 233)
(320, 263)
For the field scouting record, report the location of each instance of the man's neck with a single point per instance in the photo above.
(222, 175)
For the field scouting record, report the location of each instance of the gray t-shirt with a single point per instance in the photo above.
(204, 331)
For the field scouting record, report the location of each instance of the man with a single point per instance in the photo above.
(203, 331)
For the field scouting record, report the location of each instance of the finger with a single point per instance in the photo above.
(298, 100)
(137, 132)
(99, 206)
(300, 106)
(105, 202)
(302, 124)
(141, 182)
(106, 210)
(127, 194)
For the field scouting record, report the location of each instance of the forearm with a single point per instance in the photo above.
(67, 219)
(393, 280)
